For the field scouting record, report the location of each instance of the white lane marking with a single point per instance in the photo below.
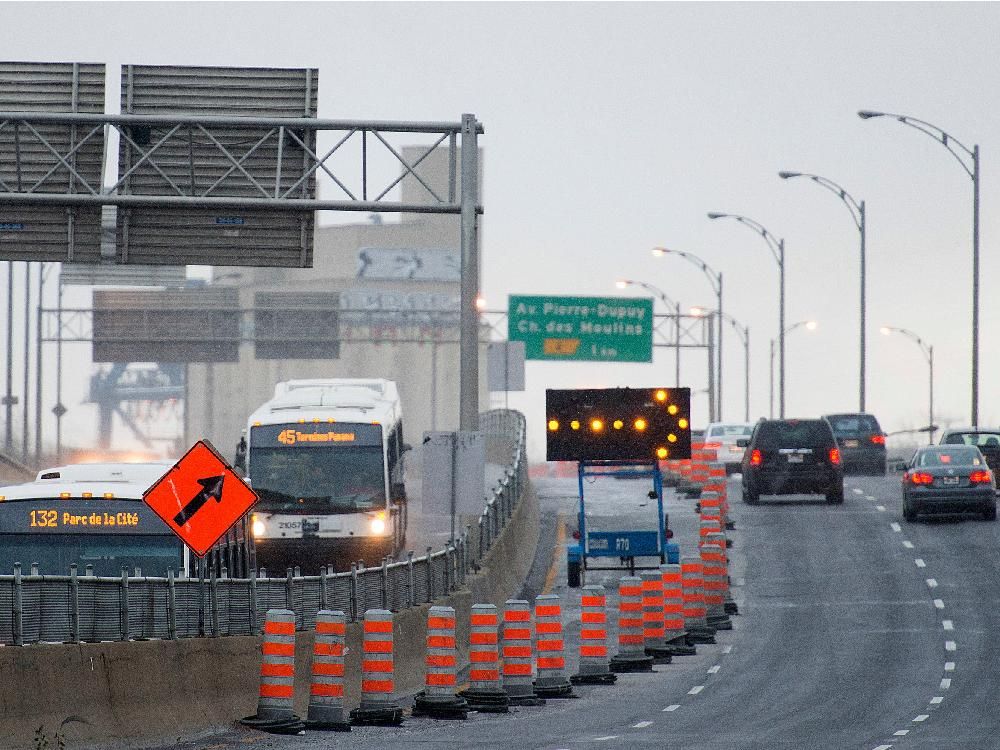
(696, 689)
(937, 699)
(922, 717)
(607, 737)
(920, 562)
(908, 544)
(949, 666)
(713, 670)
(945, 683)
(880, 508)
(870, 497)
(641, 725)
(950, 646)
(857, 491)
(883, 747)
(727, 649)
(939, 603)
(932, 582)
(673, 707)
(895, 527)
(947, 624)
(901, 732)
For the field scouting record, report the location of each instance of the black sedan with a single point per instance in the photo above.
(949, 479)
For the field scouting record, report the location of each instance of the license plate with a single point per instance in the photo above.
(949, 480)
(850, 443)
(794, 458)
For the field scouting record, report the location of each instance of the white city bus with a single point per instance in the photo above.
(325, 458)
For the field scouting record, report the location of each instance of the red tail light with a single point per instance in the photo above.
(756, 459)
(878, 439)
(835, 457)
(921, 478)
(980, 477)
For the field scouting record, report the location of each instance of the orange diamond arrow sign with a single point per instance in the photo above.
(200, 498)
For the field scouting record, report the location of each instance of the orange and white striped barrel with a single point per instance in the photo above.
(485, 693)
(593, 638)
(708, 526)
(674, 632)
(326, 693)
(518, 654)
(713, 561)
(378, 686)
(711, 506)
(631, 656)
(652, 615)
(693, 589)
(550, 647)
(438, 698)
(277, 669)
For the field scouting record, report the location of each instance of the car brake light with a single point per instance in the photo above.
(835, 457)
(980, 477)
(921, 478)
(878, 439)
(756, 459)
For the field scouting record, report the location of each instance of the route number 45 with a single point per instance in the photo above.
(621, 544)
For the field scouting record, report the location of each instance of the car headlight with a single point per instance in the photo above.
(377, 525)
(258, 528)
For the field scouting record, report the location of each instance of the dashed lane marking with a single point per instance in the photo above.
(672, 707)
(945, 683)
(727, 649)
(606, 737)
(641, 725)
(937, 699)
(932, 582)
(870, 497)
(901, 732)
(949, 666)
(884, 747)
(950, 646)
(857, 491)
(880, 508)
(922, 717)
(939, 603)
(908, 544)
(947, 624)
(696, 689)
(920, 562)
(895, 527)
(716, 668)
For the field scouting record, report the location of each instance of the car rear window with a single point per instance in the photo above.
(853, 424)
(804, 433)
(730, 430)
(986, 439)
(957, 456)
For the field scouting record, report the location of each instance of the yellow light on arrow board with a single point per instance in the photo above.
(596, 425)
(640, 424)
(662, 452)
(661, 395)
(682, 423)
(672, 438)
(672, 409)
(553, 425)
(618, 424)
(575, 425)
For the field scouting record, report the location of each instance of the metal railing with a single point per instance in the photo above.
(86, 608)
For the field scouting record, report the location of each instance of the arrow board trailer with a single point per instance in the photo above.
(325, 458)
(622, 433)
(93, 516)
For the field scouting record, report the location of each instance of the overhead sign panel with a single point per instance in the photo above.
(245, 161)
(599, 329)
(47, 157)
(618, 424)
(200, 498)
(296, 325)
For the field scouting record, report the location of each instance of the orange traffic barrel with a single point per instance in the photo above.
(594, 665)
(550, 648)
(674, 631)
(631, 656)
(439, 698)
(729, 605)
(652, 617)
(485, 693)
(326, 692)
(713, 562)
(693, 583)
(518, 654)
(277, 676)
(378, 704)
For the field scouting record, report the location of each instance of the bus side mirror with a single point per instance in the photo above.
(398, 492)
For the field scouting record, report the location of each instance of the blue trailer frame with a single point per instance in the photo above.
(624, 545)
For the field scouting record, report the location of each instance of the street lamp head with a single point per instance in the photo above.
(811, 325)
(480, 302)
(867, 114)
(786, 175)
(698, 311)
(885, 330)
(622, 283)
(659, 252)
(716, 215)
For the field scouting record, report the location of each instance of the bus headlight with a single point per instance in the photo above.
(258, 528)
(377, 525)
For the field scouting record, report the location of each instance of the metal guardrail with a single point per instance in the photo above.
(86, 608)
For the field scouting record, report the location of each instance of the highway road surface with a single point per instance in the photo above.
(857, 630)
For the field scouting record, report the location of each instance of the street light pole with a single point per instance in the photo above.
(928, 352)
(777, 248)
(744, 332)
(809, 324)
(972, 169)
(857, 211)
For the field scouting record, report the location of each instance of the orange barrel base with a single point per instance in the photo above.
(440, 707)
(277, 677)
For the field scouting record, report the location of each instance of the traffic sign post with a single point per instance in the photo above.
(200, 498)
(598, 329)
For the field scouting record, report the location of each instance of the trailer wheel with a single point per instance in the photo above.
(573, 574)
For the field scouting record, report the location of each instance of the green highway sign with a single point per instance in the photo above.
(599, 329)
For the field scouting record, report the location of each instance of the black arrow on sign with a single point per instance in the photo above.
(211, 488)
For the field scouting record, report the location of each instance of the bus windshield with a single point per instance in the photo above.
(318, 480)
(107, 553)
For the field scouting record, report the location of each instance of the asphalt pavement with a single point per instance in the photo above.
(856, 630)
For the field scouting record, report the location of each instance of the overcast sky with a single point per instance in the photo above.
(612, 128)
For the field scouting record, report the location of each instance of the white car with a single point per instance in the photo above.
(723, 436)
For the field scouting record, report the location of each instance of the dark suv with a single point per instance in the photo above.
(861, 442)
(792, 457)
